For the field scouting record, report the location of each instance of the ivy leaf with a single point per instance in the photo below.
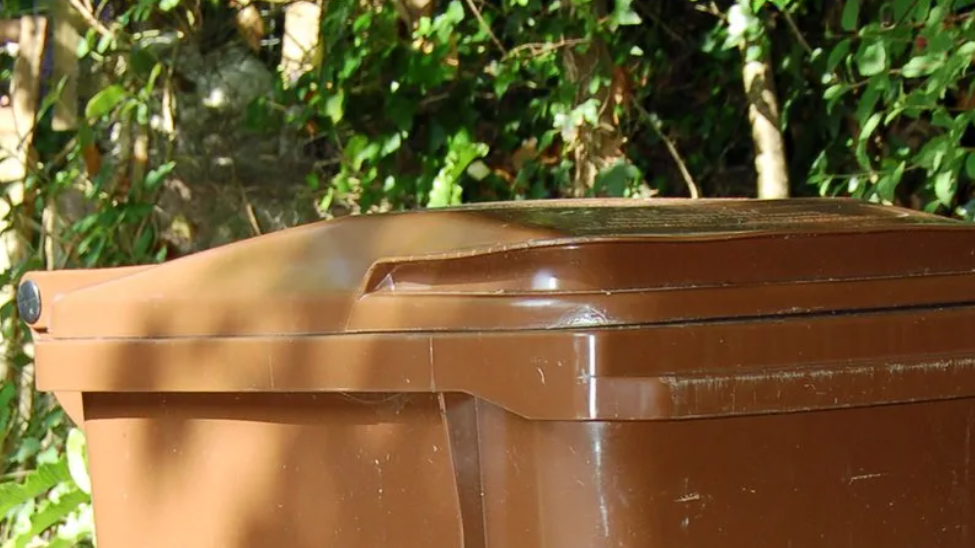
(851, 12)
(944, 187)
(104, 101)
(445, 190)
(615, 179)
(624, 15)
(871, 58)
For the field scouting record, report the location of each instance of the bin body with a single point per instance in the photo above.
(544, 375)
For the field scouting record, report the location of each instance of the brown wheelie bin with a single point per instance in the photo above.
(571, 374)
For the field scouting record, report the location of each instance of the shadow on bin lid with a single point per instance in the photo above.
(527, 265)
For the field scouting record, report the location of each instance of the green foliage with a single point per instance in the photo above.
(909, 112)
(54, 495)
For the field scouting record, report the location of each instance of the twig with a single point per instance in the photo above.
(255, 225)
(101, 9)
(92, 20)
(711, 9)
(485, 26)
(543, 48)
(795, 30)
(672, 149)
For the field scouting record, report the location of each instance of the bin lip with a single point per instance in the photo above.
(367, 273)
(691, 371)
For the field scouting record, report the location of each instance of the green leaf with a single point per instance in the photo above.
(868, 128)
(400, 111)
(50, 515)
(922, 65)
(391, 144)
(871, 96)
(836, 56)
(455, 12)
(461, 152)
(970, 165)
(28, 448)
(966, 51)
(939, 42)
(871, 58)
(7, 393)
(892, 115)
(835, 91)
(104, 101)
(887, 186)
(84, 48)
(335, 106)
(921, 9)
(104, 42)
(168, 5)
(900, 8)
(35, 484)
(944, 187)
(851, 12)
(935, 16)
(615, 179)
(624, 15)
(77, 456)
(156, 176)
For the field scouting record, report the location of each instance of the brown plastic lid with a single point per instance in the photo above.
(547, 308)
(528, 265)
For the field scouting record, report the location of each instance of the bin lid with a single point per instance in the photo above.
(570, 310)
(529, 265)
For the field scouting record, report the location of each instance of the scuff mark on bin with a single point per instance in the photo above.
(270, 371)
(775, 390)
(583, 316)
(861, 477)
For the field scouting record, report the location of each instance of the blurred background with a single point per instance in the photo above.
(139, 131)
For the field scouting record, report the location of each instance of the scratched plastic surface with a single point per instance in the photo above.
(533, 375)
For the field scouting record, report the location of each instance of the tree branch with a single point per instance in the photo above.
(485, 26)
(795, 30)
(672, 149)
(543, 48)
(90, 18)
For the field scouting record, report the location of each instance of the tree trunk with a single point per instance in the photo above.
(594, 146)
(763, 113)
